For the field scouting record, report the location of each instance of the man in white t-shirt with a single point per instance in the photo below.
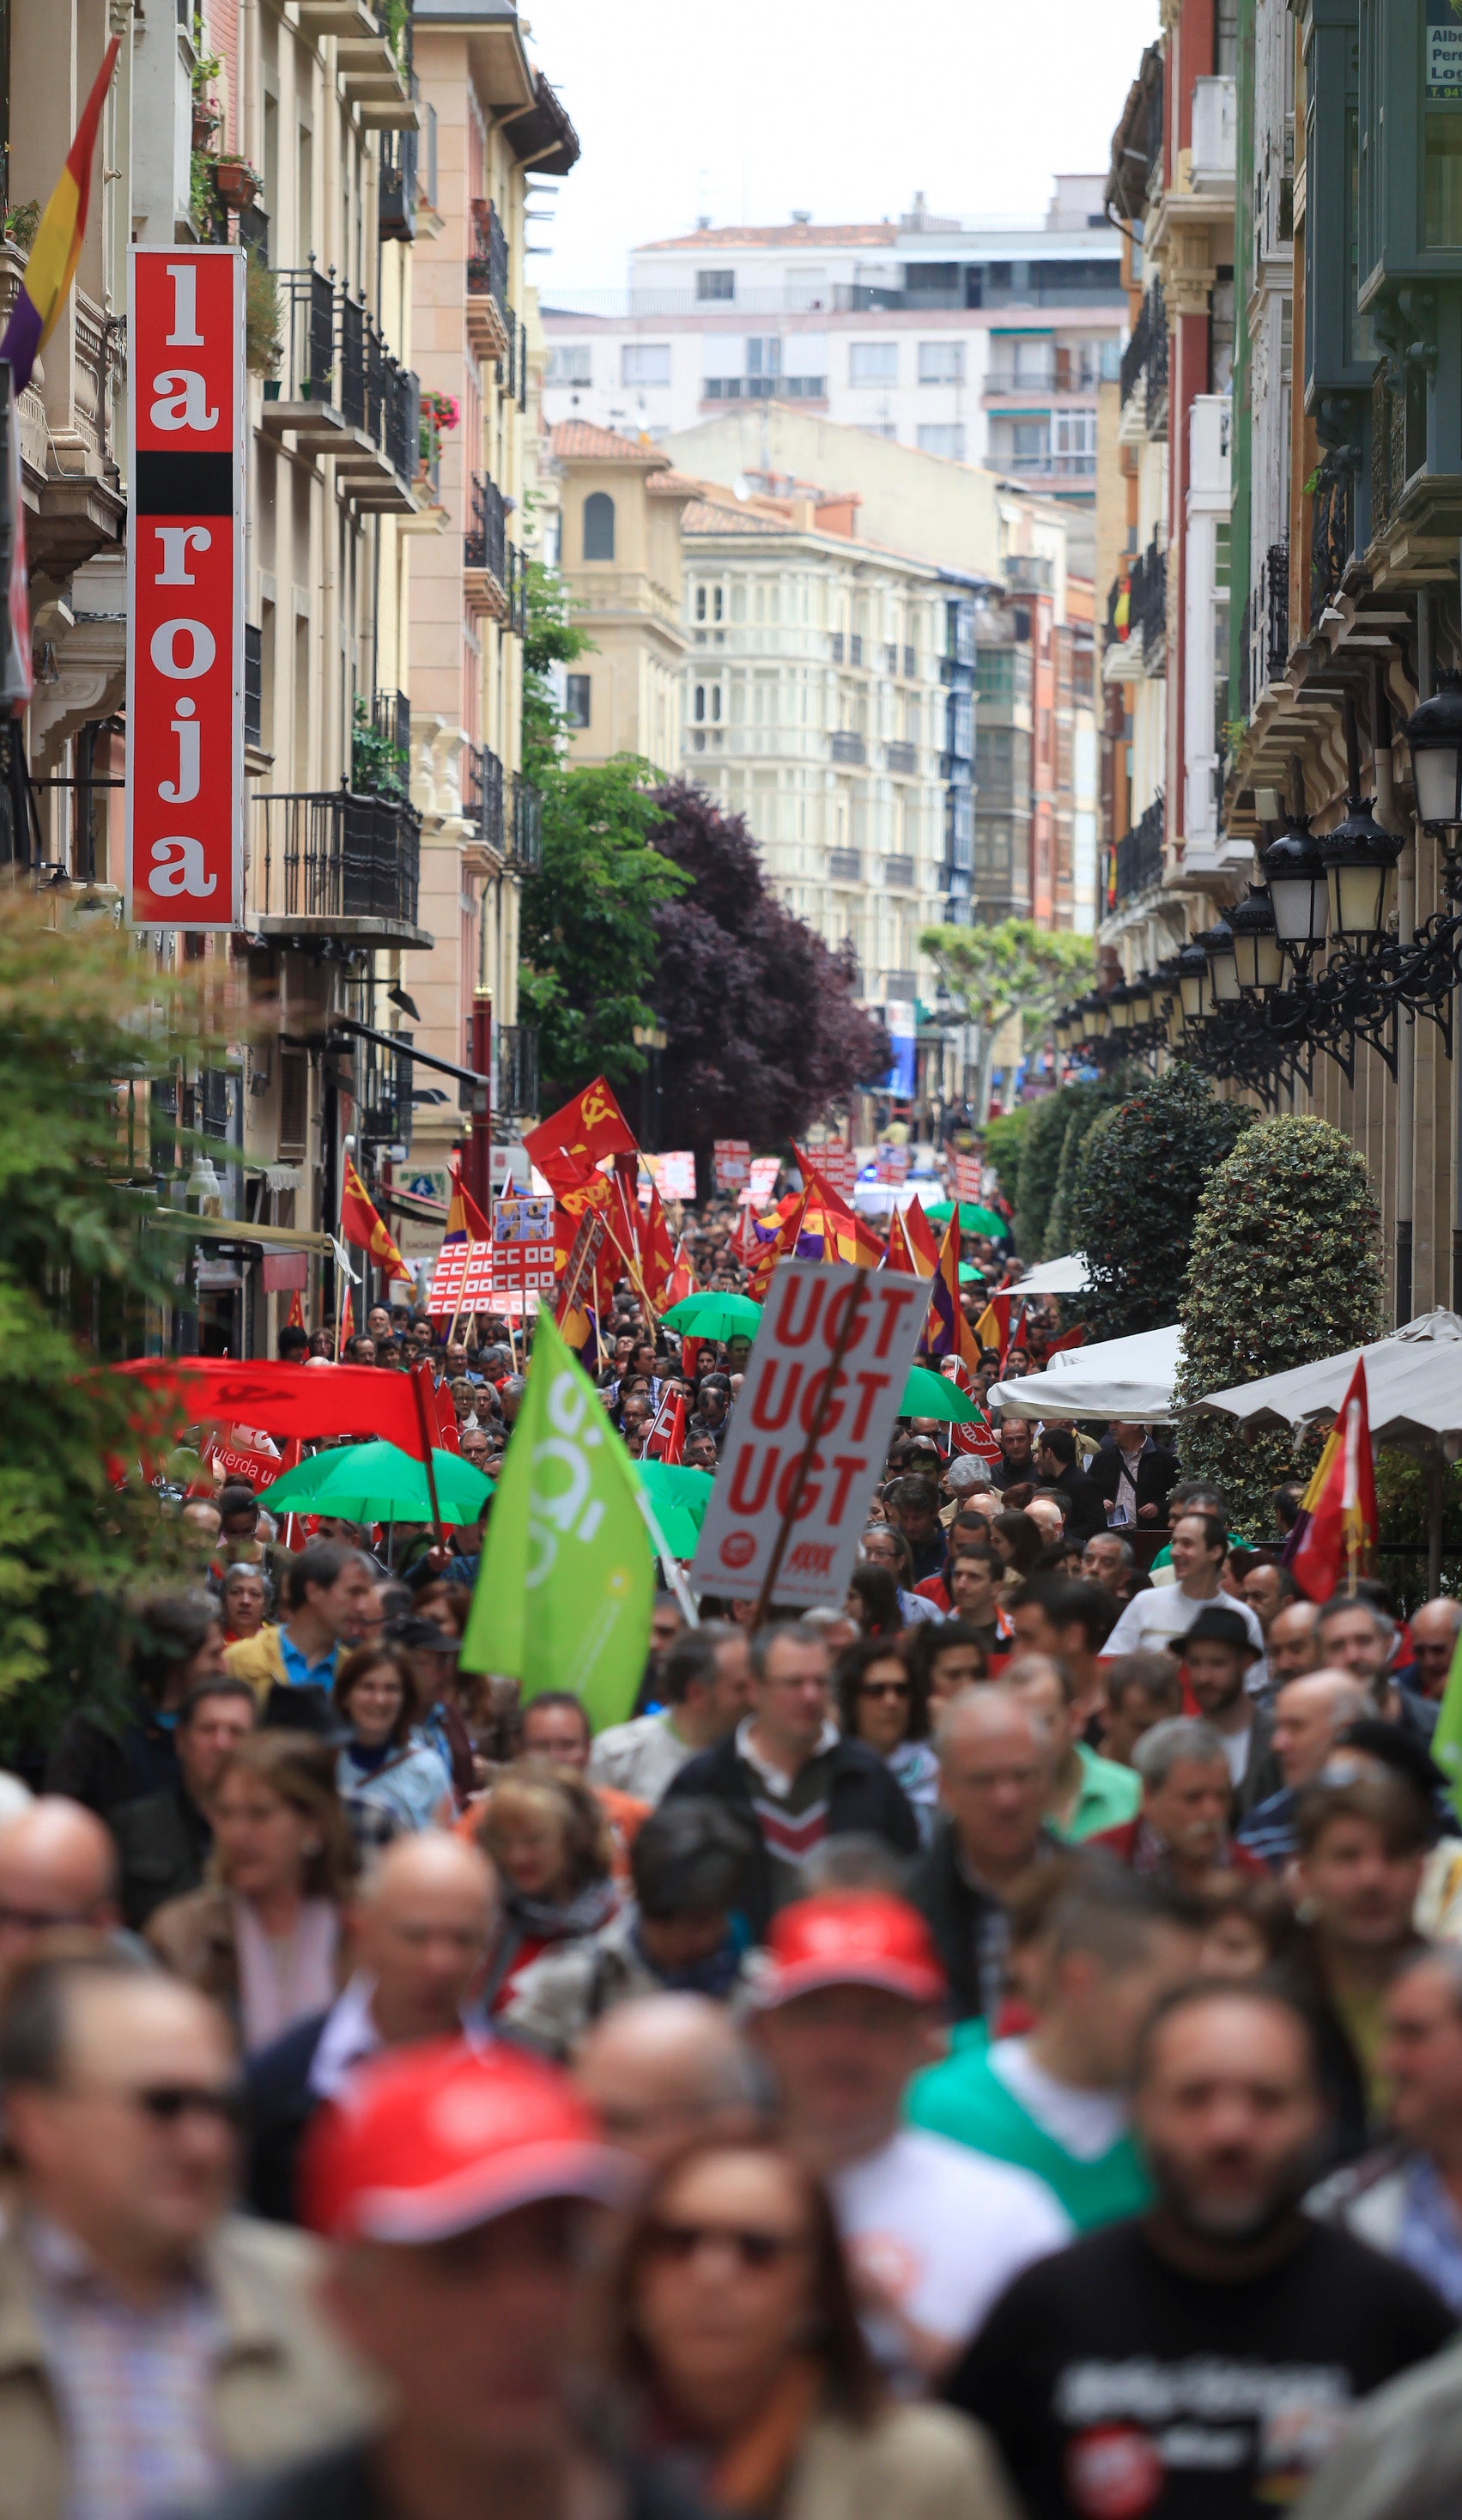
(1164, 1616)
(846, 2008)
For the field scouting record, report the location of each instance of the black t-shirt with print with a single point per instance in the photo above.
(1120, 2389)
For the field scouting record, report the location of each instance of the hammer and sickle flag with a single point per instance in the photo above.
(359, 1225)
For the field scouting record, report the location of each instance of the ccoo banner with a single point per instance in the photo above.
(188, 413)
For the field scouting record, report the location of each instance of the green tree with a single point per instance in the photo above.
(1005, 1138)
(1142, 1170)
(586, 934)
(86, 1025)
(1042, 1149)
(1015, 968)
(1059, 1236)
(1283, 1272)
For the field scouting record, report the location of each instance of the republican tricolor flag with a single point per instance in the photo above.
(46, 282)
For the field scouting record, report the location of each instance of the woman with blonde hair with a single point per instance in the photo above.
(263, 1936)
(543, 1830)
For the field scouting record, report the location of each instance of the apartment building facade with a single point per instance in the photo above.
(496, 128)
(981, 344)
(620, 555)
(1163, 498)
(296, 129)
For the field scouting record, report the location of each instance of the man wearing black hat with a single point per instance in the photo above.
(1217, 1653)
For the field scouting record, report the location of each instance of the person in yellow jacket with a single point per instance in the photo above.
(327, 1600)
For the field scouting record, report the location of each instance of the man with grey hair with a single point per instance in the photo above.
(1180, 1835)
(1434, 1630)
(1308, 1713)
(790, 1774)
(996, 1761)
(1406, 2197)
(706, 1680)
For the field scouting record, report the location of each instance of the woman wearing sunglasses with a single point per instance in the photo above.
(739, 2335)
(883, 1701)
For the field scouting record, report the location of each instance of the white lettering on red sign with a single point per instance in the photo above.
(188, 415)
(794, 1387)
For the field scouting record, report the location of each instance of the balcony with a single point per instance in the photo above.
(334, 865)
(855, 649)
(899, 872)
(1147, 607)
(525, 839)
(1267, 646)
(517, 590)
(398, 192)
(900, 760)
(518, 1072)
(340, 391)
(848, 745)
(1143, 374)
(482, 799)
(487, 282)
(911, 664)
(845, 866)
(835, 641)
(1135, 864)
(484, 550)
(1215, 125)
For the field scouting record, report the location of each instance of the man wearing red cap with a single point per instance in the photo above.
(455, 2185)
(847, 2002)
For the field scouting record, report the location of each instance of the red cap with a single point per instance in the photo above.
(433, 2139)
(851, 1938)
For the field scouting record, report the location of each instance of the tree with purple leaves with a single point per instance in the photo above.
(765, 1032)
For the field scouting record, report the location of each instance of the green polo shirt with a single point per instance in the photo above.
(965, 2100)
(1110, 1795)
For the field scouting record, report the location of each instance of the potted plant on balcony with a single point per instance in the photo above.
(440, 412)
(237, 183)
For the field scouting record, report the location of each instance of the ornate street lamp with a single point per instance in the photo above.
(1294, 873)
(1142, 994)
(1257, 958)
(1359, 858)
(1222, 969)
(1122, 1007)
(1192, 982)
(1434, 734)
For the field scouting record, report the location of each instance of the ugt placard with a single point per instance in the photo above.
(849, 1333)
(189, 411)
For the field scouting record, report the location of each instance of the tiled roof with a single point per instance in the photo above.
(672, 486)
(707, 517)
(573, 439)
(710, 239)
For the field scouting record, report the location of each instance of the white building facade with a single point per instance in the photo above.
(984, 344)
(818, 704)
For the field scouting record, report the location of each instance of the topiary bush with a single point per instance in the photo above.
(1284, 1271)
(1131, 1208)
(1046, 1132)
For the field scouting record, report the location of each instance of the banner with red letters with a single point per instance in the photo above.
(733, 1163)
(187, 406)
(809, 1432)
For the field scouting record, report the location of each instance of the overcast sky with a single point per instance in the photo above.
(752, 109)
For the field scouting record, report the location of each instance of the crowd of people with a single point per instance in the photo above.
(990, 2044)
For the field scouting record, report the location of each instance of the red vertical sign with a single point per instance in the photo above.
(189, 411)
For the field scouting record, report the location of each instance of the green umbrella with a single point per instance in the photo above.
(969, 1274)
(716, 1316)
(380, 1483)
(972, 1220)
(679, 1499)
(933, 1395)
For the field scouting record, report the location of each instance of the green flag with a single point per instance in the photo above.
(1446, 1740)
(566, 1583)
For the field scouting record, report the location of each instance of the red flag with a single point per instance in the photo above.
(992, 1329)
(1335, 1535)
(969, 1434)
(898, 1255)
(682, 1277)
(294, 1318)
(359, 1225)
(921, 1239)
(1068, 1338)
(657, 1256)
(347, 1320)
(850, 1235)
(312, 1401)
(667, 1436)
(1014, 1340)
(585, 1130)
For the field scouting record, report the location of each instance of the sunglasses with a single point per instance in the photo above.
(884, 1688)
(679, 2243)
(167, 2104)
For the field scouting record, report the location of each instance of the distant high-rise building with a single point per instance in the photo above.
(984, 344)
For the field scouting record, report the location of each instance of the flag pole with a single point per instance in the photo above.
(426, 1461)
